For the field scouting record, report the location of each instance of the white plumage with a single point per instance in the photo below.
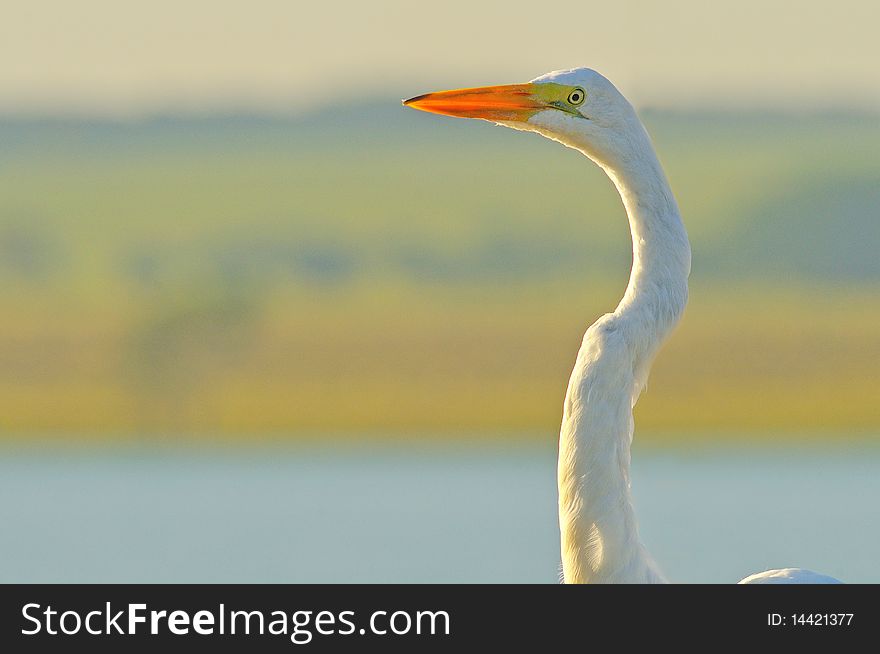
(789, 576)
(583, 110)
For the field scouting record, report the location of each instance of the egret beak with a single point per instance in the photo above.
(511, 102)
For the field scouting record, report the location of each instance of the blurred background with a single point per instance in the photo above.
(260, 323)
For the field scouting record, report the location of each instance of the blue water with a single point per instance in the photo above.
(443, 514)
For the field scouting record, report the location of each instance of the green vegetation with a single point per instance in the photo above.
(374, 270)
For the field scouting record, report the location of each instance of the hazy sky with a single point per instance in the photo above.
(120, 56)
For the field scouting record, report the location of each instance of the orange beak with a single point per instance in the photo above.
(511, 102)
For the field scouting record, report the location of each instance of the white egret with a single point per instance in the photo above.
(583, 110)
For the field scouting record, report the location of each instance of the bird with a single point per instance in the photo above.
(583, 110)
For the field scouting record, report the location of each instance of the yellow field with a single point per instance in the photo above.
(397, 362)
(294, 280)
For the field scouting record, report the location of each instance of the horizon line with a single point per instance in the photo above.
(294, 114)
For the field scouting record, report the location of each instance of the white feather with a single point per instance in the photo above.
(789, 576)
(599, 535)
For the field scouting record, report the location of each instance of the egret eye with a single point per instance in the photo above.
(576, 97)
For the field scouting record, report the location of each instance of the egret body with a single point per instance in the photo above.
(583, 110)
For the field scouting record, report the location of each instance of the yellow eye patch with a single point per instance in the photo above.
(561, 96)
(551, 92)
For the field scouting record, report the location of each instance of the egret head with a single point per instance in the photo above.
(579, 108)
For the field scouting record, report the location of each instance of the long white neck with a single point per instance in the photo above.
(600, 540)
